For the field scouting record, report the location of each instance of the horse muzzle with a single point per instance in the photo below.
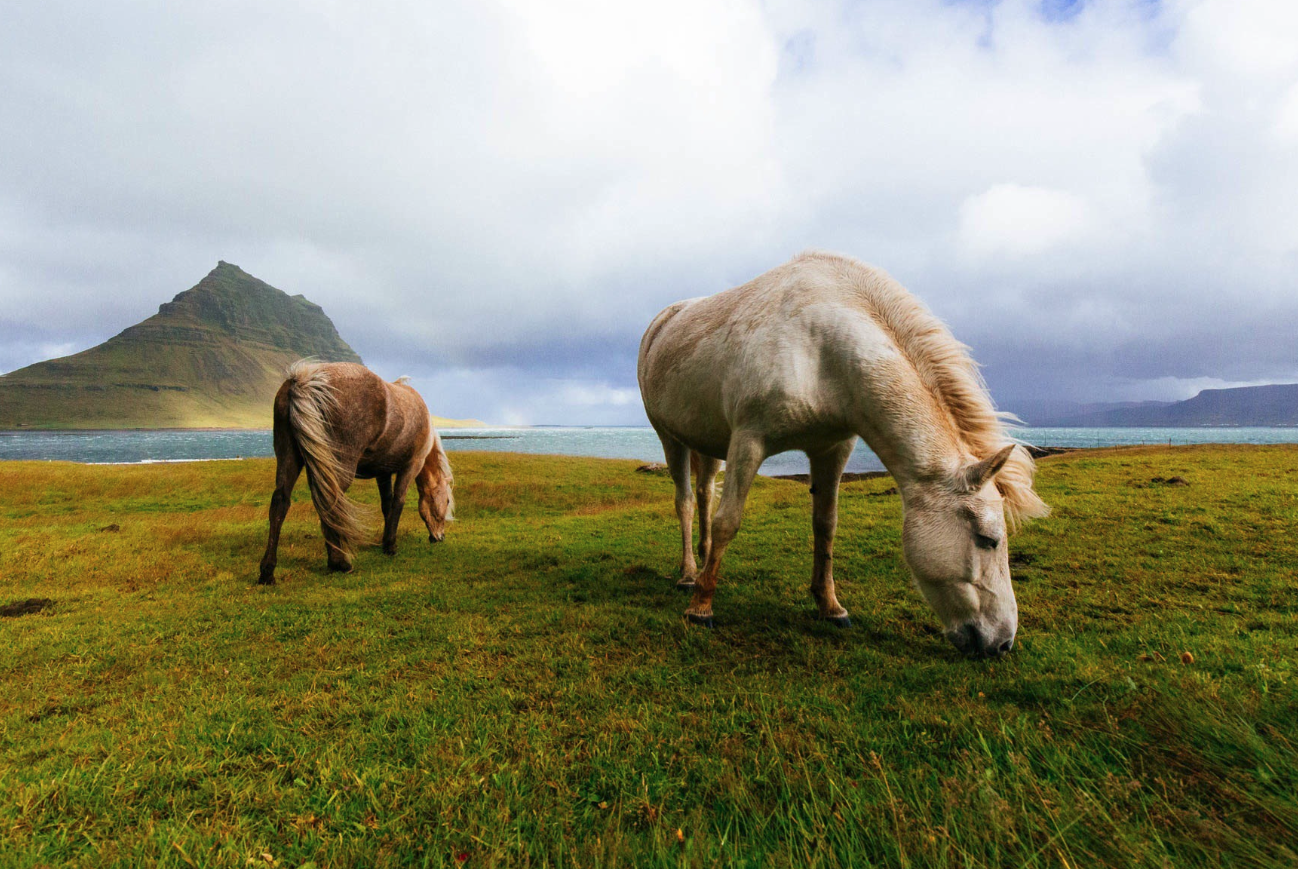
(976, 642)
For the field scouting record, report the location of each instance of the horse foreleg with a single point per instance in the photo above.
(705, 478)
(826, 471)
(678, 463)
(392, 513)
(384, 482)
(287, 468)
(743, 458)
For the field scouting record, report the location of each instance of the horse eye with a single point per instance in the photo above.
(985, 542)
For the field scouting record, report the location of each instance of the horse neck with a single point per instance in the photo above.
(906, 427)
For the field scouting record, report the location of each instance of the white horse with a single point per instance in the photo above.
(809, 356)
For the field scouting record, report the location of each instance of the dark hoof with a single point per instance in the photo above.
(436, 539)
(838, 621)
(390, 552)
(705, 621)
(686, 584)
(340, 568)
(267, 577)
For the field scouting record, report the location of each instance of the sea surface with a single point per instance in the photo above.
(100, 447)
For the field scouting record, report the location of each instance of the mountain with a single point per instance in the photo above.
(212, 357)
(1275, 405)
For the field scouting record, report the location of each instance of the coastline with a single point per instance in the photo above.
(137, 446)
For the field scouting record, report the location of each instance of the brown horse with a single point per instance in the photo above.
(341, 422)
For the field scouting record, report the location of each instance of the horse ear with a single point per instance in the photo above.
(975, 476)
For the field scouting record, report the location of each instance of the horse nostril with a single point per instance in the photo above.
(1004, 647)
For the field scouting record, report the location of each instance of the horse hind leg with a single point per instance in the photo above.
(337, 550)
(288, 466)
(678, 463)
(705, 478)
(826, 471)
(743, 458)
(336, 558)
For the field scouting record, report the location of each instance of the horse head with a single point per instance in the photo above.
(954, 536)
(436, 498)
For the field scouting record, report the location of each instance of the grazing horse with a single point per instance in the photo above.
(341, 421)
(809, 356)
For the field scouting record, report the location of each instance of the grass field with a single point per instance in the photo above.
(527, 694)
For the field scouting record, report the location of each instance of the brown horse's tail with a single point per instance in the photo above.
(309, 398)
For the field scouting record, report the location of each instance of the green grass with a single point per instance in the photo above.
(527, 693)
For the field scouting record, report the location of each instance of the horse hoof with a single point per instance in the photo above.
(705, 621)
(838, 621)
(266, 579)
(436, 538)
(389, 552)
(686, 584)
(340, 568)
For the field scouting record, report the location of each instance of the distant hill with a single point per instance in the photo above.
(1245, 406)
(1058, 412)
(213, 357)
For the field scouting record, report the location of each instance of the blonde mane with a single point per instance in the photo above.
(951, 376)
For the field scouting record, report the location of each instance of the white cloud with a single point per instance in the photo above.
(1255, 39)
(598, 395)
(1012, 220)
(1286, 124)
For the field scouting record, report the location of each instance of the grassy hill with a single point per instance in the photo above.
(527, 693)
(212, 357)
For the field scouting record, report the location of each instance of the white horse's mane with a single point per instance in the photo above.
(950, 375)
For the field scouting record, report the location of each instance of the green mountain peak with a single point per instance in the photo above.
(211, 357)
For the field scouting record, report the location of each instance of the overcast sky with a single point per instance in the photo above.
(1100, 197)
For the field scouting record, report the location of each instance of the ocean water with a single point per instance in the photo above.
(615, 443)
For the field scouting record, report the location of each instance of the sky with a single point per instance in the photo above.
(495, 197)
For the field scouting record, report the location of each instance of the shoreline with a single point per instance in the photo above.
(66, 431)
(202, 430)
(132, 447)
(30, 430)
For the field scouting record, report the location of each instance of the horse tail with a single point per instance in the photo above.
(445, 479)
(310, 397)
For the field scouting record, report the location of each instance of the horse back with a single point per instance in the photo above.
(784, 353)
(406, 434)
